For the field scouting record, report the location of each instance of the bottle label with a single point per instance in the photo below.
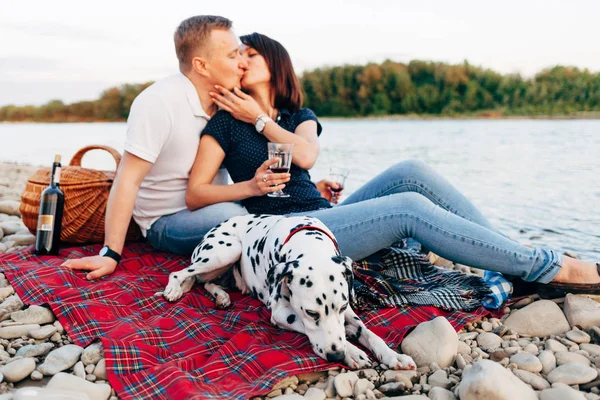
(57, 175)
(45, 222)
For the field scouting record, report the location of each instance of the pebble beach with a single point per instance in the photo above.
(538, 349)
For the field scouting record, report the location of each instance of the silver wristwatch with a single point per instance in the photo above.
(261, 122)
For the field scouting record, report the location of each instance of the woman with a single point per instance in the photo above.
(407, 200)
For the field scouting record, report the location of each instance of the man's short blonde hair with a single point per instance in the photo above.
(193, 35)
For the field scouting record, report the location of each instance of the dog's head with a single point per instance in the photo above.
(318, 289)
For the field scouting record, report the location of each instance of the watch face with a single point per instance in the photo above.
(103, 251)
(260, 125)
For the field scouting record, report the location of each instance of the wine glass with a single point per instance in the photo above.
(337, 175)
(283, 153)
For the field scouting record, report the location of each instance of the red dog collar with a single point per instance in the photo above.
(312, 228)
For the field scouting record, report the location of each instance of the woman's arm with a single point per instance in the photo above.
(244, 108)
(305, 140)
(201, 192)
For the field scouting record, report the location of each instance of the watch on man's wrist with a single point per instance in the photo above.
(110, 253)
(261, 122)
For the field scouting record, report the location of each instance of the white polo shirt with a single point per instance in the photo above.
(164, 128)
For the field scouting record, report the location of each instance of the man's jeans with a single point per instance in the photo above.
(408, 200)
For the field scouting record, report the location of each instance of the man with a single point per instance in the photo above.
(163, 134)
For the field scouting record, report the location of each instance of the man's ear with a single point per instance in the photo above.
(200, 65)
(279, 278)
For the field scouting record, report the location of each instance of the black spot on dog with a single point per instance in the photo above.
(234, 224)
(209, 247)
(338, 259)
(326, 310)
(334, 291)
(300, 256)
(356, 318)
(333, 347)
(228, 245)
(261, 296)
(248, 252)
(255, 244)
(254, 292)
(276, 242)
(287, 298)
(319, 302)
(250, 222)
(319, 238)
(324, 297)
(331, 278)
(310, 268)
(248, 231)
(302, 281)
(291, 318)
(332, 307)
(191, 270)
(308, 284)
(344, 297)
(210, 236)
(175, 276)
(205, 260)
(221, 242)
(358, 333)
(226, 234)
(321, 351)
(261, 244)
(346, 323)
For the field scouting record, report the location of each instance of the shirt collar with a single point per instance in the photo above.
(193, 99)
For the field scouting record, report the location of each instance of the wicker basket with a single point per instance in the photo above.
(86, 196)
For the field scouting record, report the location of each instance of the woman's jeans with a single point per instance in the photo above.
(408, 200)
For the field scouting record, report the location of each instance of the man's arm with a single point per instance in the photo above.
(119, 210)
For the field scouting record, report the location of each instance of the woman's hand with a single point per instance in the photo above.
(266, 181)
(324, 186)
(237, 103)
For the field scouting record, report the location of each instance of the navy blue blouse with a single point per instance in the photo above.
(245, 151)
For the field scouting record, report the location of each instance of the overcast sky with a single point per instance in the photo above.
(72, 50)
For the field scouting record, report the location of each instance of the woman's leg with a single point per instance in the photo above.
(181, 232)
(365, 227)
(417, 176)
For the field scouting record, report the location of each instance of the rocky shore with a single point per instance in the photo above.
(539, 349)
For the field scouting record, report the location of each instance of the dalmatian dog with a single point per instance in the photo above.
(293, 265)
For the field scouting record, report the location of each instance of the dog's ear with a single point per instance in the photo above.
(348, 273)
(279, 278)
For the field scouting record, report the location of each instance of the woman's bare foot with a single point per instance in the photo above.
(577, 271)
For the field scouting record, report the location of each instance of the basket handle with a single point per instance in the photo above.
(76, 159)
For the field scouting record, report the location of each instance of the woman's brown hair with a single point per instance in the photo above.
(286, 87)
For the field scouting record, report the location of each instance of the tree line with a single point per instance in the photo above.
(389, 88)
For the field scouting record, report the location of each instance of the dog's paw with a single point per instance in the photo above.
(393, 360)
(173, 291)
(356, 358)
(222, 301)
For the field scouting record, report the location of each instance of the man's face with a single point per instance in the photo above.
(224, 62)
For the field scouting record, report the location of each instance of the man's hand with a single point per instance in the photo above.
(97, 265)
(237, 103)
(324, 186)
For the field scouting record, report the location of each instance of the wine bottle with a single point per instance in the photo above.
(51, 212)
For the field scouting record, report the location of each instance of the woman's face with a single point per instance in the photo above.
(258, 72)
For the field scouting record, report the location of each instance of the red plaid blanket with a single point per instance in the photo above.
(183, 350)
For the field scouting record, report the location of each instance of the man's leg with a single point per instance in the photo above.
(181, 232)
(417, 176)
(368, 226)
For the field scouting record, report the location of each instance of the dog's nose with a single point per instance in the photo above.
(336, 356)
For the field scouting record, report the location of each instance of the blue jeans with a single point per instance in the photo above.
(408, 200)
(181, 232)
(411, 200)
